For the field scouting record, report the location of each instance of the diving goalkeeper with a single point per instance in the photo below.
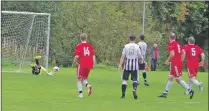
(37, 69)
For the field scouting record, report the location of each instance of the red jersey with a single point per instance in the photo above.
(85, 51)
(176, 47)
(192, 55)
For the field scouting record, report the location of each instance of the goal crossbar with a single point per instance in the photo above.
(28, 13)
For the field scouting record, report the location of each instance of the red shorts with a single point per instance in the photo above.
(176, 70)
(83, 73)
(192, 71)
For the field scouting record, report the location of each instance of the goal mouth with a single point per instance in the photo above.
(23, 36)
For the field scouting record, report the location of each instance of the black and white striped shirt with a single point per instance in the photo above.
(131, 52)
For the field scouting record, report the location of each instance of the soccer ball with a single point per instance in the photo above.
(56, 68)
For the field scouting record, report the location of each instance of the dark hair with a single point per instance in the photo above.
(142, 36)
(132, 37)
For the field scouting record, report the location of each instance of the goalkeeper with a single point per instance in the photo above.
(37, 68)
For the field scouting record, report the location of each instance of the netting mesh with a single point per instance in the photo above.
(23, 36)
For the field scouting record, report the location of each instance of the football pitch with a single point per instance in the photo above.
(26, 92)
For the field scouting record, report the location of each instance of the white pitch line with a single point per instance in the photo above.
(129, 102)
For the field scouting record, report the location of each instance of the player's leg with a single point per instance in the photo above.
(178, 74)
(168, 86)
(36, 59)
(79, 82)
(190, 86)
(183, 83)
(125, 77)
(44, 70)
(85, 82)
(192, 72)
(134, 78)
(144, 74)
(190, 83)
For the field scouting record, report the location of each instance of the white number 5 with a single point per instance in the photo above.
(193, 51)
(86, 51)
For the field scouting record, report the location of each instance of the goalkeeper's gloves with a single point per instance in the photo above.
(37, 57)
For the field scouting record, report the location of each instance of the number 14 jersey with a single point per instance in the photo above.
(85, 51)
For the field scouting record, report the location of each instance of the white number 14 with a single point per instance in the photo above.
(86, 51)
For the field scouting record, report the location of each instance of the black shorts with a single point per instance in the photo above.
(142, 66)
(134, 75)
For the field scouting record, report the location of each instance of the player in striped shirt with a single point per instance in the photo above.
(143, 47)
(129, 63)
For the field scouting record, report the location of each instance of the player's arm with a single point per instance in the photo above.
(122, 59)
(140, 56)
(183, 55)
(76, 54)
(171, 55)
(75, 61)
(202, 59)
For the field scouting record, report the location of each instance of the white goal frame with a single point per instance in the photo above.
(48, 34)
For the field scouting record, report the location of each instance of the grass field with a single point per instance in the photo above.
(25, 92)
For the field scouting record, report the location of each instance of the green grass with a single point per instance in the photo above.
(25, 92)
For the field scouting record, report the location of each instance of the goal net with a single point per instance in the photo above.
(23, 36)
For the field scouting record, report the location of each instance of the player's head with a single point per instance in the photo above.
(172, 36)
(155, 45)
(191, 40)
(142, 37)
(132, 38)
(83, 37)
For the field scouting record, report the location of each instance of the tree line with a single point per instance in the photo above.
(108, 25)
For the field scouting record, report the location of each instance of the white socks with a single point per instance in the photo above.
(168, 86)
(184, 84)
(194, 81)
(79, 86)
(190, 84)
(85, 83)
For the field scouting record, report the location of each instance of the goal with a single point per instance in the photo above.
(23, 36)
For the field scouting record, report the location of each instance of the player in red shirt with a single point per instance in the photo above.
(85, 61)
(192, 53)
(175, 53)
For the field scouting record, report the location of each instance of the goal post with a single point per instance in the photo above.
(23, 36)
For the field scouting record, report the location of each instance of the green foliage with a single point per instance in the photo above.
(184, 18)
(109, 23)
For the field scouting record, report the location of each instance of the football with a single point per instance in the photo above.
(56, 68)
